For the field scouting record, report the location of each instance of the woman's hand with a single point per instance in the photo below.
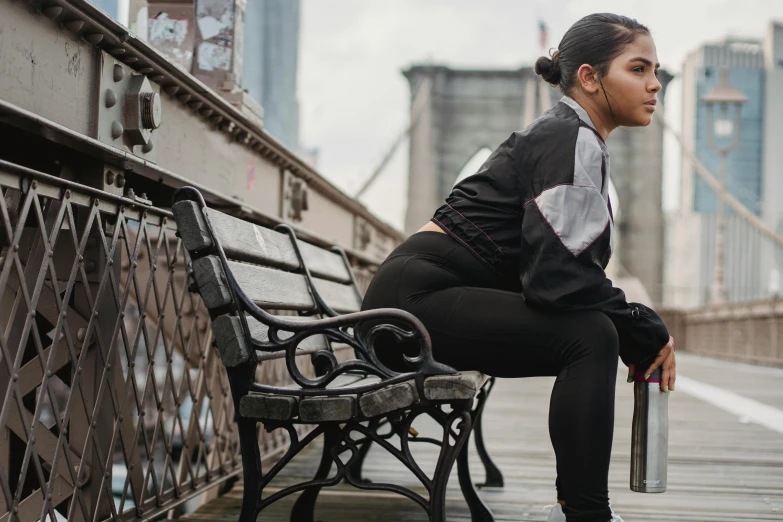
(665, 359)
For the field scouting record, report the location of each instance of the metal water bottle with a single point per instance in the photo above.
(650, 434)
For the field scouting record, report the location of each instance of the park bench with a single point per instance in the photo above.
(246, 274)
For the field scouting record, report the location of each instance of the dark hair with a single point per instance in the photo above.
(596, 40)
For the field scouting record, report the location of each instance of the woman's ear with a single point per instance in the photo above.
(587, 77)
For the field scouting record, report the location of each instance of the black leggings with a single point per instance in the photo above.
(477, 325)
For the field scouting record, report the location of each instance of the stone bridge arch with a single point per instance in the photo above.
(472, 165)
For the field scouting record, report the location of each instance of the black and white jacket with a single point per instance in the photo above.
(538, 213)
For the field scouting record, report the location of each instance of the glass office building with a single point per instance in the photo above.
(111, 7)
(744, 170)
(270, 65)
(754, 175)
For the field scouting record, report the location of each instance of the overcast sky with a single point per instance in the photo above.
(355, 101)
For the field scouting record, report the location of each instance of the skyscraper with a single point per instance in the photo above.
(110, 6)
(271, 57)
(744, 62)
(753, 169)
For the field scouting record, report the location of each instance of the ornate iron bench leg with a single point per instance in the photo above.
(479, 512)
(494, 478)
(251, 469)
(304, 508)
(364, 449)
(448, 454)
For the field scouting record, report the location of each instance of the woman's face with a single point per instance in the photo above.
(631, 83)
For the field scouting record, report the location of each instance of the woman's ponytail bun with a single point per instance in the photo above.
(549, 69)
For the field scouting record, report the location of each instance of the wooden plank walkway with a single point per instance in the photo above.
(722, 468)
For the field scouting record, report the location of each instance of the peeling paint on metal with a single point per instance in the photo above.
(165, 29)
(209, 27)
(73, 53)
(215, 20)
(216, 15)
(171, 35)
(212, 57)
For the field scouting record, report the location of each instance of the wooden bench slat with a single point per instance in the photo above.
(461, 386)
(321, 409)
(244, 241)
(269, 288)
(464, 385)
(315, 409)
(247, 242)
(229, 341)
(267, 407)
(394, 397)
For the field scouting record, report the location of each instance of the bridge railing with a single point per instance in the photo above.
(114, 403)
(748, 332)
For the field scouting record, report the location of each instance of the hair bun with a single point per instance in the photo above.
(548, 69)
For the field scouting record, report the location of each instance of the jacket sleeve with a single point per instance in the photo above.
(566, 231)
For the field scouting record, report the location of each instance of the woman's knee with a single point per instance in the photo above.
(605, 335)
(596, 338)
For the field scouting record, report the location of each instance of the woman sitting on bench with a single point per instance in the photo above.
(508, 276)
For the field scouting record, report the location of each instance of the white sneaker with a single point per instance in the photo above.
(556, 514)
(615, 517)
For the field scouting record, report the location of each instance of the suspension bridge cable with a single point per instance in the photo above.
(719, 189)
(420, 102)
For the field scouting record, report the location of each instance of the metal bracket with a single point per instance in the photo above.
(129, 111)
(362, 233)
(142, 111)
(294, 202)
(140, 199)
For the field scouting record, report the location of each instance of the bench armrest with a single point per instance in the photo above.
(423, 364)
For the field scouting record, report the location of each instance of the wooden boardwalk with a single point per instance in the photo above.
(722, 467)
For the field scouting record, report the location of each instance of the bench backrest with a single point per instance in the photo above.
(265, 265)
